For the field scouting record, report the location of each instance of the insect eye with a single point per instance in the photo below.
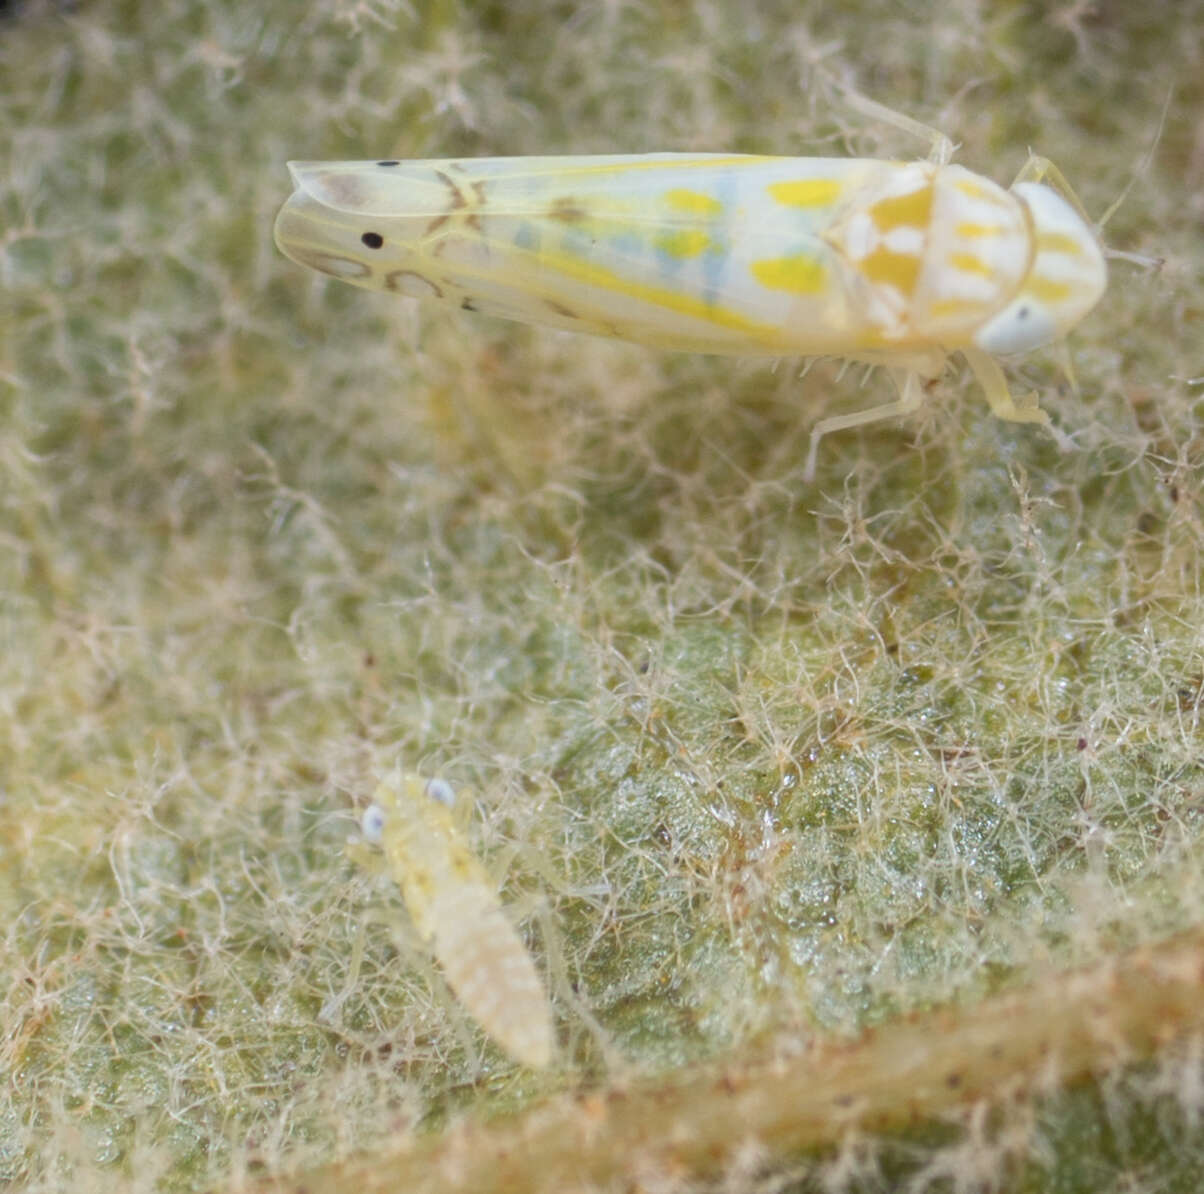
(373, 240)
(441, 790)
(372, 823)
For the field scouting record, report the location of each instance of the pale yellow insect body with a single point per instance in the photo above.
(456, 909)
(899, 263)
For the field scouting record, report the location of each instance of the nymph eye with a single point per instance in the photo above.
(373, 240)
(372, 823)
(441, 790)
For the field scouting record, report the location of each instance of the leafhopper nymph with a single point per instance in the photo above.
(894, 263)
(455, 907)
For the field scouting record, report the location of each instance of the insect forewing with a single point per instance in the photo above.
(897, 263)
(711, 253)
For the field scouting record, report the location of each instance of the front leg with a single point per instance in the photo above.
(990, 376)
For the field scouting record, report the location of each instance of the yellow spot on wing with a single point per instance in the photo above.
(969, 231)
(806, 192)
(968, 186)
(954, 308)
(798, 274)
(1058, 242)
(693, 202)
(976, 190)
(900, 270)
(684, 243)
(1047, 290)
(969, 264)
(911, 210)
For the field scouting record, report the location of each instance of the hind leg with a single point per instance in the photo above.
(910, 396)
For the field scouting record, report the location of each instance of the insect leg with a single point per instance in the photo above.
(940, 147)
(1040, 169)
(990, 376)
(1037, 169)
(910, 396)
